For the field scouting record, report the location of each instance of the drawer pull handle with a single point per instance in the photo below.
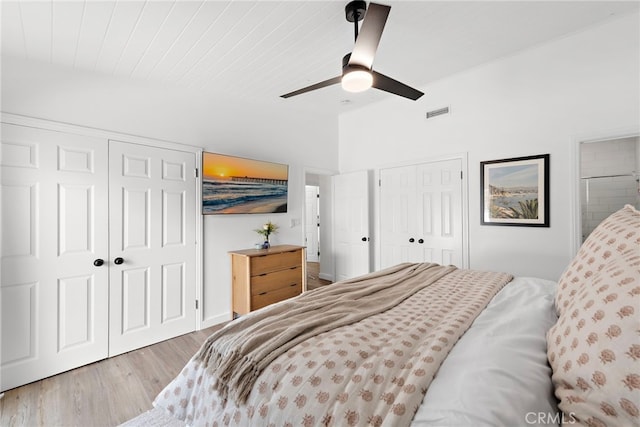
(293, 284)
(293, 268)
(263, 274)
(262, 293)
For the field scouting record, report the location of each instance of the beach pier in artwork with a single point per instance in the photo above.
(260, 180)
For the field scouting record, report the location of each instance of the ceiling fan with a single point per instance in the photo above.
(357, 74)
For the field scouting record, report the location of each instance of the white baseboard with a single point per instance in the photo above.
(216, 320)
(325, 276)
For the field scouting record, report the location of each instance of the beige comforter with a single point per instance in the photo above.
(371, 370)
(238, 354)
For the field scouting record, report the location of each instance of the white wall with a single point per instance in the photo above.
(543, 100)
(170, 113)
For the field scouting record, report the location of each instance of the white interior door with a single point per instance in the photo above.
(54, 312)
(152, 243)
(398, 216)
(312, 222)
(439, 207)
(351, 225)
(421, 214)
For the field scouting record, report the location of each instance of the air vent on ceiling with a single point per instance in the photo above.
(438, 112)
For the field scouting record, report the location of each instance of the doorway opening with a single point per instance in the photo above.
(317, 231)
(609, 179)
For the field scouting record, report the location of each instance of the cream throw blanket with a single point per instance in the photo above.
(238, 353)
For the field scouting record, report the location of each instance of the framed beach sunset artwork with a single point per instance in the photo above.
(515, 191)
(235, 185)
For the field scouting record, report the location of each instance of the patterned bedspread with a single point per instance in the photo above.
(373, 372)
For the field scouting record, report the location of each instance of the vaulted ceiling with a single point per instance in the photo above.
(259, 50)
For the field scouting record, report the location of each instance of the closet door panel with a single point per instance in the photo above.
(440, 190)
(54, 226)
(76, 314)
(397, 215)
(136, 219)
(421, 213)
(152, 217)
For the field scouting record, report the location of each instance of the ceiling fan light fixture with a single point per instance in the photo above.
(357, 80)
(357, 74)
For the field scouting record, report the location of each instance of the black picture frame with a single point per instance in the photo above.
(515, 192)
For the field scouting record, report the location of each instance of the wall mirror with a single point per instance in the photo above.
(609, 179)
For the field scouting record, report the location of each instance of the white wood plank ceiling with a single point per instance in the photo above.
(258, 50)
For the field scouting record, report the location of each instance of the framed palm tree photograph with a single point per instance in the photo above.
(515, 191)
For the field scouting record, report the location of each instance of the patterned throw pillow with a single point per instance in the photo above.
(594, 348)
(615, 235)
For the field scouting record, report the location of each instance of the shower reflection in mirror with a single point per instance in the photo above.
(609, 179)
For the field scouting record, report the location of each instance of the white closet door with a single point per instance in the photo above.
(421, 214)
(351, 224)
(398, 216)
(439, 212)
(152, 214)
(54, 312)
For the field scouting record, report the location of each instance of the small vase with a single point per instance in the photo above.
(266, 245)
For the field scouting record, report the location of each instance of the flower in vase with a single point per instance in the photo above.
(266, 230)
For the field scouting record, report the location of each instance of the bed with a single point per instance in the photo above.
(438, 346)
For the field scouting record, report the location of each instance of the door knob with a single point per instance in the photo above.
(98, 262)
(364, 239)
(421, 241)
(118, 261)
(411, 240)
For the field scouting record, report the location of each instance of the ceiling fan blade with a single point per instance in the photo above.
(313, 87)
(370, 33)
(387, 84)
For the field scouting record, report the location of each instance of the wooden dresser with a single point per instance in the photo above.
(260, 277)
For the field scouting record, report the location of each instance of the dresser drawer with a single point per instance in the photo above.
(266, 298)
(267, 282)
(268, 263)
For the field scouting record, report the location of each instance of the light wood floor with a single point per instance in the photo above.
(106, 393)
(313, 276)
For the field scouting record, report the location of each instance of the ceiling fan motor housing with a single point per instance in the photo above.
(346, 67)
(355, 77)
